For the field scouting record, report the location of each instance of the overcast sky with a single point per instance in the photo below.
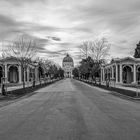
(70, 22)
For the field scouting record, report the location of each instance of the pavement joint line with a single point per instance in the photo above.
(111, 92)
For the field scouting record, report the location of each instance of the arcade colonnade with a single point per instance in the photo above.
(68, 74)
(123, 71)
(12, 72)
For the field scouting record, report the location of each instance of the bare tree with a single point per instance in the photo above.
(23, 50)
(99, 49)
(44, 64)
(85, 49)
(99, 52)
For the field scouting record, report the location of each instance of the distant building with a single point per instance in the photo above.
(123, 71)
(68, 66)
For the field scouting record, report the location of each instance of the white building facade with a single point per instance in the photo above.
(10, 70)
(122, 71)
(68, 66)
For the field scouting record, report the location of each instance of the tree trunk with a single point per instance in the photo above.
(23, 82)
(34, 80)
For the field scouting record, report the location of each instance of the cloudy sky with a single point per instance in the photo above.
(61, 25)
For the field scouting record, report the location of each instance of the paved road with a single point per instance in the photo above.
(70, 110)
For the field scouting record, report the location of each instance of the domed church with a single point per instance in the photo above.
(68, 66)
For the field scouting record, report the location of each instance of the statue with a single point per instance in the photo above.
(137, 51)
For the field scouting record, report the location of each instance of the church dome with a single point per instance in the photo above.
(67, 59)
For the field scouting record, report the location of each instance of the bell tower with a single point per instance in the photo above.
(137, 51)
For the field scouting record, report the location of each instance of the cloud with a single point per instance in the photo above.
(21, 2)
(68, 23)
(48, 52)
(7, 21)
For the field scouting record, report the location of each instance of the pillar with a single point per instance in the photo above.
(120, 73)
(103, 75)
(134, 74)
(24, 76)
(19, 74)
(116, 73)
(112, 72)
(28, 74)
(6, 71)
(36, 74)
(107, 73)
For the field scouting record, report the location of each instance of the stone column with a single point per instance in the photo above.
(116, 73)
(6, 71)
(24, 76)
(19, 74)
(112, 72)
(107, 73)
(36, 74)
(103, 75)
(28, 74)
(134, 74)
(120, 73)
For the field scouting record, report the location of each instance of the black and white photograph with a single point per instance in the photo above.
(69, 69)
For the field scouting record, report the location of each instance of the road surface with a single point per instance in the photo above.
(70, 110)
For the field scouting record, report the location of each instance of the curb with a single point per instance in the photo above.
(115, 93)
(11, 97)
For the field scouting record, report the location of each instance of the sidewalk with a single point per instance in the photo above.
(18, 92)
(30, 84)
(135, 89)
(133, 92)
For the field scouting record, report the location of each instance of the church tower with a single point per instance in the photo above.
(137, 51)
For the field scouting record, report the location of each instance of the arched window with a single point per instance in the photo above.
(1, 73)
(13, 74)
(127, 74)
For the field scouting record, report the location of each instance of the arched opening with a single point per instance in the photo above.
(109, 74)
(127, 75)
(138, 74)
(68, 74)
(41, 72)
(105, 74)
(13, 74)
(114, 72)
(1, 73)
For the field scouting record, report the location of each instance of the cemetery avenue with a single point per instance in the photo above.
(70, 110)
